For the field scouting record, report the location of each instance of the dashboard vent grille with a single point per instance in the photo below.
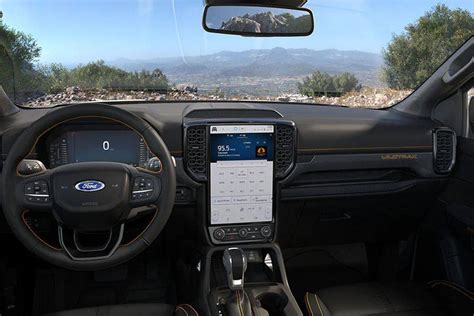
(444, 150)
(285, 149)
(196, 153)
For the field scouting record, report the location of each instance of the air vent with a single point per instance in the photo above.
(196, 153)
(444, 150)
(285, 149)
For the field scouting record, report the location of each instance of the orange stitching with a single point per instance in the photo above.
(191, 307)
(143, 231)
(454, 286)
(179, 307)
(319, 306)
(36, 235)
(308, 305)
(239, 303)
(361, 148)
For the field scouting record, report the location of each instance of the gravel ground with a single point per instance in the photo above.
(366, 98)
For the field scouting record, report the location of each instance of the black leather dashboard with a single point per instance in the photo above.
(340, 153)
(321, 129)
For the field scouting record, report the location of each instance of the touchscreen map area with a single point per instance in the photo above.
(241, 173)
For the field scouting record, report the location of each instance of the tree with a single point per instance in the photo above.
(346, 82)
(98, 75)
(320, 83)
(18, 52)
(414, 55)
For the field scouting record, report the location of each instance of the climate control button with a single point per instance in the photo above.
(243, 233)
(266, 231)
(219, 234)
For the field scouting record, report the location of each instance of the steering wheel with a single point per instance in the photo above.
(88, 197)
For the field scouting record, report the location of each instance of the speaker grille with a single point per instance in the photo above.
(285, 149)
(196, 151)
(444, 150)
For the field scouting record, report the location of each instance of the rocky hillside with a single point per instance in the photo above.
(366, 98)
(257, 23)
(260, 72)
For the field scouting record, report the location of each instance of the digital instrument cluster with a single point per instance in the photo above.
(117, 145)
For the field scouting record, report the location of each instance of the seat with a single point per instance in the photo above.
(131, 309)
(374, 298)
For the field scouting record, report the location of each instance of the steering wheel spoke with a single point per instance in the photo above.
(33, 192)
(146, 187)
(79, 247)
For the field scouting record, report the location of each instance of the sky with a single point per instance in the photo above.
(79, 31)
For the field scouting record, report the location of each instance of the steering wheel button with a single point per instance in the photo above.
(28, 188)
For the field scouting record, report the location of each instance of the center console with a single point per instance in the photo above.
(239, 164)
(247, 281)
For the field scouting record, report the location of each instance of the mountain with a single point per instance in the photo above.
(260, 70)
(265, 22)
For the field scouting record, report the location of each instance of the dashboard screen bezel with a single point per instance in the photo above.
(208, 182)
(99, 125)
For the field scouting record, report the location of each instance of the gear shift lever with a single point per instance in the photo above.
(235, 263)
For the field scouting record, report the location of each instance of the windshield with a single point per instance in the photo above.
(361, 53)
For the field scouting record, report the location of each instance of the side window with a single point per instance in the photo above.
(470, 111)
(6, 71)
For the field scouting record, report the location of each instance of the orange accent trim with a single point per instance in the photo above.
(34, 234)
(145, 229)
(308, 305)
(239, 303)
(361, 148)
(454, 286)
(180, 307)
(190, 306)
(319, 306)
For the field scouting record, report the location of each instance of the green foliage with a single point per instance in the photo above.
(18, 72)
(300, 24)
(18, 52)
(414, 55)
(321, 83)
(97, 75)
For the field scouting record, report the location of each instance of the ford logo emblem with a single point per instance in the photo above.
(90, 186)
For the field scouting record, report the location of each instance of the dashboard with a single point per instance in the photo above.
(242, 166)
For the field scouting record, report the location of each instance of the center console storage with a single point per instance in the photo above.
(264, 289)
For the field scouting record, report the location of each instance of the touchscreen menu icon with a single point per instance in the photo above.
(261, 151)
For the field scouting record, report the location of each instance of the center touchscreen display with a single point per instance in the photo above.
(241, 173)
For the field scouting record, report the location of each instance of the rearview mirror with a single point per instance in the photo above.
(253, 20)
